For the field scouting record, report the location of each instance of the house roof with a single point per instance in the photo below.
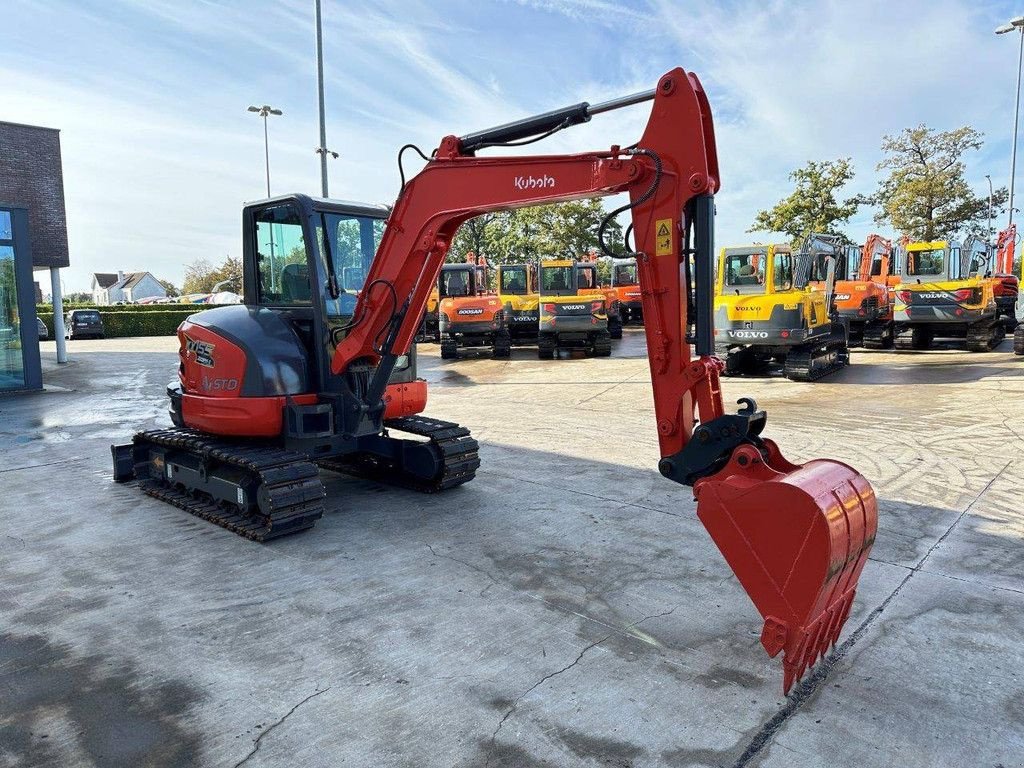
(104, 279)
(131, 280)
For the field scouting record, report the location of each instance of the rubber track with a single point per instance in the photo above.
(458, 449)
(1018, 340)
(874, 336)
(289, 482)
(799, 361)
(985, 336)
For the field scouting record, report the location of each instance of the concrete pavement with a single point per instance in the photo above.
(565, 608)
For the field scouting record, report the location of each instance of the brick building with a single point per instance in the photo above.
(33, 235)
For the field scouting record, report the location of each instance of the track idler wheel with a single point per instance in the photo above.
(797, 538)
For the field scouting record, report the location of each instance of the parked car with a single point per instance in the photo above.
(44, 334)
(83, 324)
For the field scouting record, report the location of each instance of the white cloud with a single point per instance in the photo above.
(159, 151)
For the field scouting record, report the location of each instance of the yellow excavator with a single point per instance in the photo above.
(767, 313)
(517, 292)
(569, 321)
(944, 289)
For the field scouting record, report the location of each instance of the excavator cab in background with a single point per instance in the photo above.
(588, 284)
(469, 316)
(861, 297)
(298, 378)
(517, 292)
(627, 290)
(1007, 285)
(569, 321)
(767, 313)
(945, 289)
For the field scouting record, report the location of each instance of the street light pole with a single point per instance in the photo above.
(1015, 23)
(988, 239)
(265, 111)
(322, 149)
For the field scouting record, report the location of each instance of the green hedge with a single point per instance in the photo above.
(119, 323)
(41, 308)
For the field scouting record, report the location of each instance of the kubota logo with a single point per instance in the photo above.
(533, 182)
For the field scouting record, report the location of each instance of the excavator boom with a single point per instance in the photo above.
(796, 536)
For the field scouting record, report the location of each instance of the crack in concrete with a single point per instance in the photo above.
(810, 684)
(550, 675)
(469, 565)
(528, 691)
(256, 743)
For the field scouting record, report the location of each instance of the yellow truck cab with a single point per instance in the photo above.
(943, 291)
(517, 291)
(767, 313)
(567, 319)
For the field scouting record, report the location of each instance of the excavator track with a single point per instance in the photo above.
(986, 335)
(1018, 340)
(288, 497)
(877, 336)
(812, 362)
(452, 443)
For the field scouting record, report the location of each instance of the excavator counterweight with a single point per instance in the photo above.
(319, 365)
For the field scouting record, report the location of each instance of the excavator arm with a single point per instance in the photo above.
(796, 536)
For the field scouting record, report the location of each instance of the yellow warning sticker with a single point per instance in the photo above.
(663, 237)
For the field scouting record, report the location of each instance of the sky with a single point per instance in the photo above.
(160, 153)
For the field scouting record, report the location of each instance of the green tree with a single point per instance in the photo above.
(201, 276)
(198, 277)
(813, 205)
(171, 288)
(229, 274)
(561, 230)
(926, 195)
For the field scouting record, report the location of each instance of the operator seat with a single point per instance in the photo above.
(295, 284)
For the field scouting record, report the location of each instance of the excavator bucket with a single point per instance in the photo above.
(797, 538)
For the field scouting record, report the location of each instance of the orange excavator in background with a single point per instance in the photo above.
(1007, 286)
(589, 284)
(470, 315)
(862, 297)
(301, 376)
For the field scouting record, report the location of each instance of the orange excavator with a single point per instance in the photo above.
(863, 295)
(304, 375)
(470, 315)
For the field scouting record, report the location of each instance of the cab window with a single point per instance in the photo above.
(624, 275)
(926, 262)
(455, 283)
(555, 278)
(586, 278)
(782, 266)
(351, 243)
(744, 273)
(513, 281)
(282, 268)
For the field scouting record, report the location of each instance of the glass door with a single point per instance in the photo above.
(12, 367)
